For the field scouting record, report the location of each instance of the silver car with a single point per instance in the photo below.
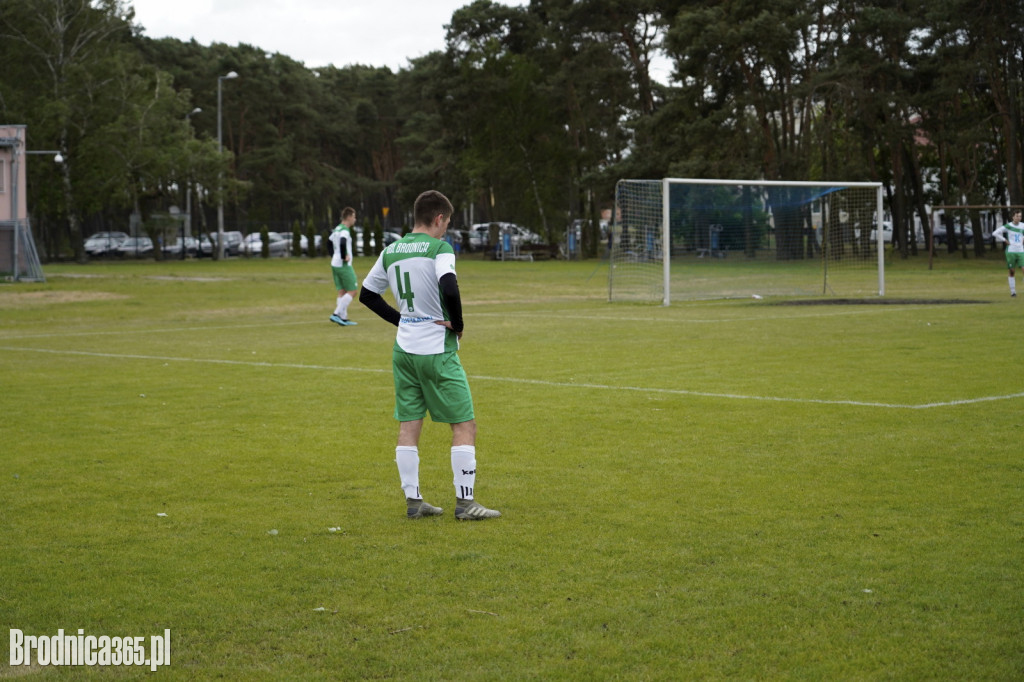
(252, 245)
(104, 243)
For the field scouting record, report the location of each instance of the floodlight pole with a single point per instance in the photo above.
(220, 173)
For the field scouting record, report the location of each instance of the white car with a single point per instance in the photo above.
(521, 235)
(886, 233)
(252, 245)
(480, 234)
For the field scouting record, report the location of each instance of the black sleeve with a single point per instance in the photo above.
(343, 248)
(376, 303)
(452, 301)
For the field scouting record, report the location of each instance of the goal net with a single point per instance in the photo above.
(19, 260)
(699, 239)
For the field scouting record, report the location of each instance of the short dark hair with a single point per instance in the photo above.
(347, 211)
(429, 205)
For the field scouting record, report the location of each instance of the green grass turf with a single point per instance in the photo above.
(733, 488)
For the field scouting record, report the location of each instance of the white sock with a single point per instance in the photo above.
(343, 306)
(464, 469)
(408, 460)
(1013, 285)
(338, 307)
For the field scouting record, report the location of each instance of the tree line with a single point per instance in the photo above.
(529, 114)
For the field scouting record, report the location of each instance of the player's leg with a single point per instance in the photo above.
(410, 410)
(346, 292)
(344, 298)
(464, 459)
(340, 287)
(464, 472)
(407, 457)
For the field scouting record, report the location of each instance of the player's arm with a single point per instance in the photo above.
(449, 286)
(343, 248)
(999, 234)
(376, 303)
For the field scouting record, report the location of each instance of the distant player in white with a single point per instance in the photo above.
(1012, 233)
(420, 271)
(341, 267)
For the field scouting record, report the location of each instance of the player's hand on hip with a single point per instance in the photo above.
(448, 325)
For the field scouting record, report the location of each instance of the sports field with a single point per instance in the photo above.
(724, 489)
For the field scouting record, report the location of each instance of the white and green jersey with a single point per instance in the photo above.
(1013, 233)
(412, 268)
(341, 235)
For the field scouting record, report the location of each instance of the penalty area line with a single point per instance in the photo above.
(761, 398)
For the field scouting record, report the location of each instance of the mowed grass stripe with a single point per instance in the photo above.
(533, 382)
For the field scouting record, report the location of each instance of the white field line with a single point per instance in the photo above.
(532, 382)
(212, 361)
(540, 313)
(865, 310)
(174, 330)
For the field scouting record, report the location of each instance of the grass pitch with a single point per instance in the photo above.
(717, 489)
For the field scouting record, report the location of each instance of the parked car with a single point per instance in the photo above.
(886, 233)
(940, 237)
(480, 234)
(303, 243)
(522, 235)
(104, 243)
(390, 237)
(232, 243)
(252, 245)
(191, 247)
(135, 247)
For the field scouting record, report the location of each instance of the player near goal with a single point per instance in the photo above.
(420, 271)
(1012, 233)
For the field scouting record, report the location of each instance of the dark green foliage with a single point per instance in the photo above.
(530, 114)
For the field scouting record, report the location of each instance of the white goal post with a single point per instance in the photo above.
(702, 238)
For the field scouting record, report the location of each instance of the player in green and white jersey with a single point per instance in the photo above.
(1012, 233)
(420, 271)
(343, 273)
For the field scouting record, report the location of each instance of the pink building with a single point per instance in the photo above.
(19, 260)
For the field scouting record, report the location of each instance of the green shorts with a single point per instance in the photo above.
(344, 278)
(1014, 260)
(431, 383)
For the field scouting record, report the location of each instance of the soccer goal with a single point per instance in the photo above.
(694, 239)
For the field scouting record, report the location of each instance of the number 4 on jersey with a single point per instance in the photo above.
(404, 287)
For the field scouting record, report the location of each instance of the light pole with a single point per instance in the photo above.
(220, 174)
(57, 156)
(186, 229)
